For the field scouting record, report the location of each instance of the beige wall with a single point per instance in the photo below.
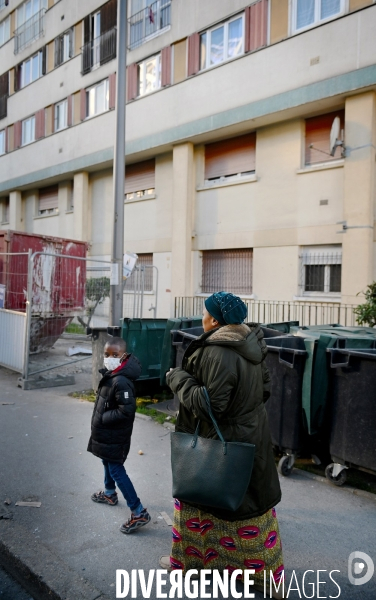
(356, 4)
(275, 273)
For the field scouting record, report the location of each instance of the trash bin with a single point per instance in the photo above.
(283, 326)
(352, 412)
(168, 357)
(144, 338)
(286, 361)
(181, 340)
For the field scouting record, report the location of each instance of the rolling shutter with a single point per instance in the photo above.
(230, 157)
(140, 176)
(17, 134)
(227, 270)
(39, 124)
(317, 134)
(82, 104)
(48, 198)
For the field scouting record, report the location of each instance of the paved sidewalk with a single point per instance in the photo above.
(43, 439)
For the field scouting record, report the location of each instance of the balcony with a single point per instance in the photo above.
(99, 51)
(149, 22)
(29, 31)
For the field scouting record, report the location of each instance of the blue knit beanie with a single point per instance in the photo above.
(226, 308)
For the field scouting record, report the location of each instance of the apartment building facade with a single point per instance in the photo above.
(230, 178)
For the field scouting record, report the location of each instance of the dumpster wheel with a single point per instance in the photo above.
(286, 465)
(339, 479)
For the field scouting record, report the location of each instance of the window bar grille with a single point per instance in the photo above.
(29, 31)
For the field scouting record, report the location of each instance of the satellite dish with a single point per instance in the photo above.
(334, 136)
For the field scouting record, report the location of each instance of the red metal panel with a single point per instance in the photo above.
(39, 124)
(166, 66)
(258, 24)
(112, 91)
(193, 54)
(132, 81)
(17, 134)
(58, 284)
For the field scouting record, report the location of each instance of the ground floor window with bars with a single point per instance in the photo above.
(321, 270)
(142, 276)
(227, 270)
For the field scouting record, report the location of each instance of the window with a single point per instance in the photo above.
(317, 138)
(28, 9)
(97, 99)
(142, 274)
(61, 115)
(140, 180)
(4, 31)
(230, 158)
(222, 42)
(99, 37)
(63, 47)
(31, 69)
(48, 200)
(149, 75)
(307, 13)
(28, 131)
(229, 270)
(4, 207)
(30, 23)
(2, 142)
(321, 270)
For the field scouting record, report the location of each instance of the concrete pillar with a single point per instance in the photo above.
(182, 219)
(359, 195)
(81, 206)
(15, 211)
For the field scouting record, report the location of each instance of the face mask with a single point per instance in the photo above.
(111, 363)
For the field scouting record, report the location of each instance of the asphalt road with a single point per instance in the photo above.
(43, 439)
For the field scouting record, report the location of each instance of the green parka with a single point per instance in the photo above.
(228, 361)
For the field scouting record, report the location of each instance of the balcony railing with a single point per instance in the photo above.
(99, 51)
(149, 22)
(3, 106)
(29, 31)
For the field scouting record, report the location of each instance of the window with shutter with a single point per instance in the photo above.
(4, 93)
(142, 276)
(229, 270)
(235, 157)
(256, 24)
(2, 142)
(140, 180)
(308, 13)
(317, 138)
(321, 268)
(48, 200)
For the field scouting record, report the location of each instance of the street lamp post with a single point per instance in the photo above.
(116, 288)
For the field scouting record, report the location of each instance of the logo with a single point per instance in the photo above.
(360, 564)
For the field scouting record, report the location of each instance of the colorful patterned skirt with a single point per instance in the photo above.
(201, 541)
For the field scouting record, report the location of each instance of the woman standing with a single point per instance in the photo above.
(228, 359)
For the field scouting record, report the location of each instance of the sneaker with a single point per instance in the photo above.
(135, 522)
(102, 497)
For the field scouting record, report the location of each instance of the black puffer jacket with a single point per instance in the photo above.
(229, 362)
(113, 414)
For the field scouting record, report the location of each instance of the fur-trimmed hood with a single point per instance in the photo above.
(246, 340)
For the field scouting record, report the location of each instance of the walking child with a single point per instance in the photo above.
(111, 430)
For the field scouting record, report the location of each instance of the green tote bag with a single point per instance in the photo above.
(210, 472)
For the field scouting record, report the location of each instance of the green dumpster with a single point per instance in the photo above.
(144, 338)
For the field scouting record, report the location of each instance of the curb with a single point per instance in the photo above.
(345, 488)
(41, 572)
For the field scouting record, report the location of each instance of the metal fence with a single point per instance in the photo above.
(148, 21)
(268, 311)
(48, 300)
(29, 31)
(99, 51)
